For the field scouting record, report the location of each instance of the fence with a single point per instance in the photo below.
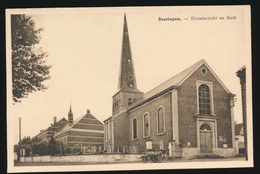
(135, 148)
(132, 149)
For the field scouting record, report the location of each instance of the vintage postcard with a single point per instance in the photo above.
(129, 88)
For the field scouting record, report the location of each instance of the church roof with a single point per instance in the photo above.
(175, 81)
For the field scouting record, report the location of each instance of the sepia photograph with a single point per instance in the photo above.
(129, 88)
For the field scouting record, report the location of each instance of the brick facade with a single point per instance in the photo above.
(84, 131)
(151, 109)
(187, 103)
(183, 121)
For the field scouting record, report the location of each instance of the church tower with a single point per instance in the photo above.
(70, 116)
(127, 87)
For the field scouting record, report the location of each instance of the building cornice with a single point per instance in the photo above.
(153, 97)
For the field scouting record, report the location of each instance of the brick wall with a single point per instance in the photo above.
(121, 131)
(121, 98)
(151, 108)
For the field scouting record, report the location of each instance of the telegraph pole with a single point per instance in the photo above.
(20, 129)
(18, 152)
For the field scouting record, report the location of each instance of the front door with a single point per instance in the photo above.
(206, 141)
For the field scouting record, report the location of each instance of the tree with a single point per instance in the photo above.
(40, 148)
(52, 146)
(28, 65)
(25, 143)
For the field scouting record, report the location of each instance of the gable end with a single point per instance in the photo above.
(213, 73)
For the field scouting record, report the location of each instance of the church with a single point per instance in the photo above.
(189, 114)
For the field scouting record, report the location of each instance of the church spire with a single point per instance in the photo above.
(70, 116)
(70, 111)
(127, 88)
(127, 74)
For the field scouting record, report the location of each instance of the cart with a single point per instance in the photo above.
(155, 155)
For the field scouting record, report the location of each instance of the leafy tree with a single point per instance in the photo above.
(52, 146)
(25, 143)
(26, 140)
(16, 146)
(60, 148)
(43, 148)
(28, 65)
(40, 148)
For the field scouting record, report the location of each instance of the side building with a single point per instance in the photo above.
(239, 137)
(86, 133)
(46, 134)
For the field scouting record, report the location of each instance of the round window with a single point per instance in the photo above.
(204, 71)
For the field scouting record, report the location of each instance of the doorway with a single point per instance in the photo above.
(206, 139)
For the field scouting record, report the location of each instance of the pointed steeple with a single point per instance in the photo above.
(70, 116)
(127, 88)
(70, 111)
(127, 74)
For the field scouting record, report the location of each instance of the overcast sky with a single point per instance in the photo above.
(84, 47)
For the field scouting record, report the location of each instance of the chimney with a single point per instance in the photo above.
(54, 120)
(88, 111)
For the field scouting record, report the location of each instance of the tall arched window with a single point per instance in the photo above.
(160, 121)
(146, 125)
(134, 129)
(204, 99)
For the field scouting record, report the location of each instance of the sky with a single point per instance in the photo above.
(84, 48)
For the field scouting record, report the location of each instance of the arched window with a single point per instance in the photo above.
(134, 129)
(160, 121)
(146, 125)
(204, 100)
(205, 127)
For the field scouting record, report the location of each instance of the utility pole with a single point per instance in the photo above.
(20, 129)
(18, 152)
